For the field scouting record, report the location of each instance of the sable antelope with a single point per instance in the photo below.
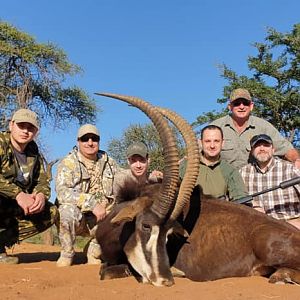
(205, 239)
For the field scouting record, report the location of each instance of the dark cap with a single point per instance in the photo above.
(137, 148)
(260, 137)
(240, 94)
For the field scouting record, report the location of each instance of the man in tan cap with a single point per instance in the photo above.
(240, 126)
(24, 184)
(84, 194)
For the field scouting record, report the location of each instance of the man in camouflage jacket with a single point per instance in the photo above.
(24, 184)
(84, 194)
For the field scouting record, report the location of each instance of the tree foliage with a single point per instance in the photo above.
(33, 75)
(149, 136)
(274, 83)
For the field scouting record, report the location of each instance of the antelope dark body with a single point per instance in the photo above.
(170, 229)
(225, 240)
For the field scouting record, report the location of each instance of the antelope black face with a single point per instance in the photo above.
(146, 249)
(154, 216)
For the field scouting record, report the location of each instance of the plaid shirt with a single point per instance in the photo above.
(280, 203)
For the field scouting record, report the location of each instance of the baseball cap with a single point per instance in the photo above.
(26, 115)
(138, 148)
(87, 128)
(240, 94)
(260, 137)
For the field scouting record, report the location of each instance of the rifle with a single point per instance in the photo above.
(282, 185)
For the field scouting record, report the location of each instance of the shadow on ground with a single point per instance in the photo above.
(79, 258)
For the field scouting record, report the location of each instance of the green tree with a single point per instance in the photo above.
(149, 136)
(33, 75)
(274, 83)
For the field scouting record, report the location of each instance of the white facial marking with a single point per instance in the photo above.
(137, 258)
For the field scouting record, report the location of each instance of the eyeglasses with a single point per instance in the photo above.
(238, 102)
(86, 138)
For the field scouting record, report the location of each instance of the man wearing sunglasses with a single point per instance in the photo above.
(24, 184)
(84, 194)
(240, 126)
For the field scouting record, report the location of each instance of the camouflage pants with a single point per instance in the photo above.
(15, 226)
(74, 223)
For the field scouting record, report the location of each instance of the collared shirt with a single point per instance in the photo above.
(280, 203)
(211, 180)
(220, 180)
(236, 149)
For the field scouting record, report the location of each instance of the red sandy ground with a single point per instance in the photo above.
(37, 277)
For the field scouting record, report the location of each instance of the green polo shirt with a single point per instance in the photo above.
(236, 147)
(219, 180)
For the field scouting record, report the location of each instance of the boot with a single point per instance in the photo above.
(64, 261)
(7, 259)
(7, 239)
(93, 252)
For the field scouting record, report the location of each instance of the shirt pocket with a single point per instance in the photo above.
(228, 145)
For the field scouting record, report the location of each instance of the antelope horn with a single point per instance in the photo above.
(193, 161)
(161, 206)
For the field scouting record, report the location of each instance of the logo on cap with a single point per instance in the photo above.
(137, 148)
(260, 137)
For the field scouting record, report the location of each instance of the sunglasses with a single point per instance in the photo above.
(86, 138)
(238, 102)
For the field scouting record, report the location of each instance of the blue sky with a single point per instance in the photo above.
(165, 52)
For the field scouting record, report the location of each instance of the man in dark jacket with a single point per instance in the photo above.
(24, 184)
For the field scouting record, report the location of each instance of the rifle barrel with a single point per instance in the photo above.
(282, 185)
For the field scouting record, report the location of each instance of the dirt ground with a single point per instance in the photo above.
(37, 277)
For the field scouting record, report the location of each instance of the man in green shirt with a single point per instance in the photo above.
(216, 177)
(240, 126)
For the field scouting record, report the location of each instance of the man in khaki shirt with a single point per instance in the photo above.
(239, 127)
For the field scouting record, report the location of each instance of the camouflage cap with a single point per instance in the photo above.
(26, 115)
(87, 128)
(137, 148)
(240, 94)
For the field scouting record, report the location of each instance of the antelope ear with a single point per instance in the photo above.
(177, 228)
(129, 212)
(125, 214)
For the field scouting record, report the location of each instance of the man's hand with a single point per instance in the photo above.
(258, 208)
(156, 176)
(99, 211)
(25, 201)
(38, 204)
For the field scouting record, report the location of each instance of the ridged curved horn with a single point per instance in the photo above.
(165, 201)
(193, 161)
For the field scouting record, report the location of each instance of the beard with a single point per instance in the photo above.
(263, 157)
